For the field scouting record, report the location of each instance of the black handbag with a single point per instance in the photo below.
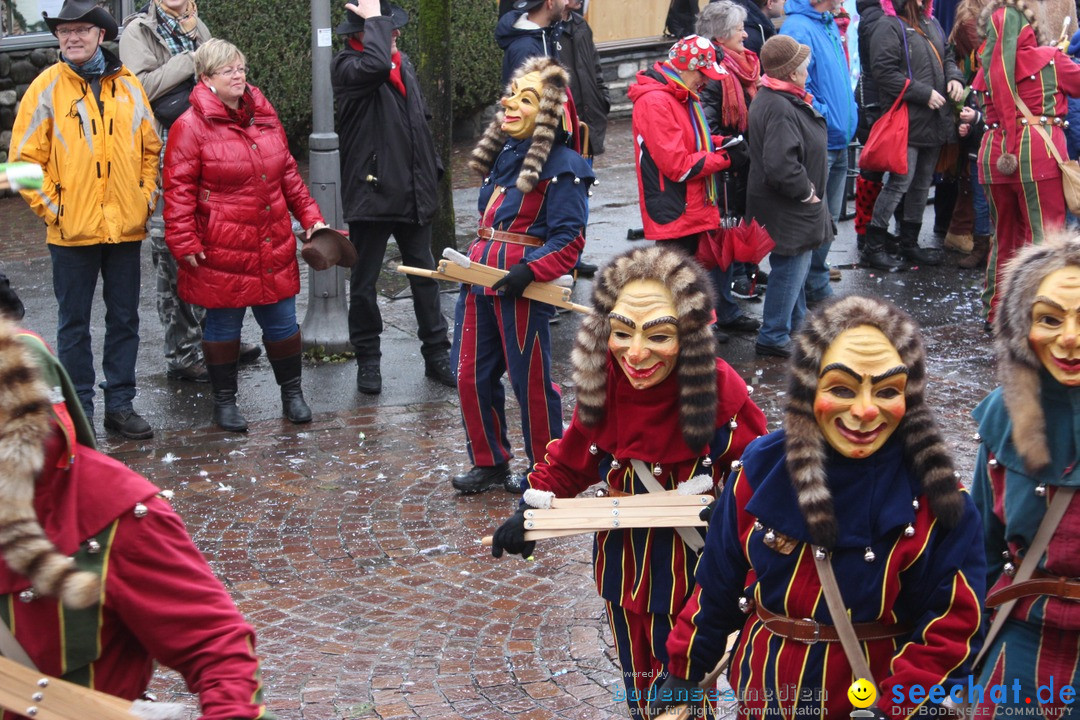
(172, 104)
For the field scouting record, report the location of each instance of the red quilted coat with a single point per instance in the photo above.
(228, 192)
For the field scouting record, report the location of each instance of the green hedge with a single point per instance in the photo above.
(276, 38)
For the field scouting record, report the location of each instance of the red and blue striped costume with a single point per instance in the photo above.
(160, 599)
(930, 582)
(1043, 632)
(493, 334)
(645, 575)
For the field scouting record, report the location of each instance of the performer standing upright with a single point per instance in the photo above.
(655, 409)
(533, 211)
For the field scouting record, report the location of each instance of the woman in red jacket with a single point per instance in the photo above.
(230, 184)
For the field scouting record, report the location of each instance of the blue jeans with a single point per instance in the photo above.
(75, 274)
(817, 282)
(978, 199)
(785, 298)
(278, 321)
(727, 310)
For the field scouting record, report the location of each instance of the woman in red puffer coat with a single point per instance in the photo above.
(230, 184)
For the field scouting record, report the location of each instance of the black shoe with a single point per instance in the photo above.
(743, 323)
(772, 350)
(480, 479)
(721, 336)
(513, 484)
(585, 269)
(441, 372)
(249, 353)
(293, 406)
(368, 379)
(882, 260)
(191, 373)
(741, 289)
(761, 278)
(129, 424)
(988, 327)
(920, 255)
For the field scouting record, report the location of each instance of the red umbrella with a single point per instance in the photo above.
(749, 242)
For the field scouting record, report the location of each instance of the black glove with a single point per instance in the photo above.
(674, 692)
(511, 537)
(10, 304)
(707, 512)
(738, 155)
(514, 282)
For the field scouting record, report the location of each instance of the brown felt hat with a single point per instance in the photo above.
(780, 55)
(328, 248)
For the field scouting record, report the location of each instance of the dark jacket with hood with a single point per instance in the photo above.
(788, 162)
(931, 68)
(383, 135)
(866, 92)
(591, 96)
(758, 26)
(518, 45)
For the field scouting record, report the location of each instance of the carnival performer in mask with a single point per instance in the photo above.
(533, 211)
(1026, 460)
(859, 476)
(650, 394)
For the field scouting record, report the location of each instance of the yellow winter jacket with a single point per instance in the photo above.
(100, 161)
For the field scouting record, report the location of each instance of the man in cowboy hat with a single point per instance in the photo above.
(100, 187)
(390, 177)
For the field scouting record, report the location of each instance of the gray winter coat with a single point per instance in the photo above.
(788, 161)
(144, 52)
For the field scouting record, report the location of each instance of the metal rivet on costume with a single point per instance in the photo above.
(43, 682)
(733, 425)
(28, 595)
(909, 531)
(657, 470)
(1051, 62)
(735, 465)
(502, 190)
(1032, 77)
(31, 711)
(744, 605)
(977, 437)
(1042, 119)
(1065, 124)
(1006, 555)
(93, 546)
(758, 526)
(706, 461)
(1040, 489)
(589, 193)
(1009, 569)
(1023, 121)
(593, 450)
(992, 462)
(770, 535)
(915, 504)
(37, 697)
(819, 553)
(869, 555)
(577, 181)
(554, 180)
(140, 510)
(615, 464)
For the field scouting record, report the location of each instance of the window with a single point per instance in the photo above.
(23, 17)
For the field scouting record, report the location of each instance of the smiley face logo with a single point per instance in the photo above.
(862, 693)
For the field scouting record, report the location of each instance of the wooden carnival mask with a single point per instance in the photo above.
(1055, 324)
(644, 335)
(522, 105)
(860, 394)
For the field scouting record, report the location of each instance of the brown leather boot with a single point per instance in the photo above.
(980, 250)
(221, 361)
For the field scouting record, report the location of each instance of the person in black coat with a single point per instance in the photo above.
(389, 174)
(578, 55)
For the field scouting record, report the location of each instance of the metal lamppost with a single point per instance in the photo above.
(326, 322)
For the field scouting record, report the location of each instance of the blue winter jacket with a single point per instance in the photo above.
(520, 45)
(829, 81)
(1072, 133)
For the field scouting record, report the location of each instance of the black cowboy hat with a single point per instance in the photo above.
(354, 23)
(83, 11)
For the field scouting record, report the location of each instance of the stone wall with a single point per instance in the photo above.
(17, 69)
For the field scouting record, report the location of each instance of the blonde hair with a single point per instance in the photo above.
(215, 54)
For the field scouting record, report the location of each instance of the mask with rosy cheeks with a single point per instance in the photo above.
(860, 394)
(521, 106)
(1055, 324)
(644, 337)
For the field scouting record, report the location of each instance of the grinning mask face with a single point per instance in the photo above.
(644, 333)
(860, 394)
(522, 105)
(1055, 324)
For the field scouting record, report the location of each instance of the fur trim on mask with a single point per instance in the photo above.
(924, 448)
(1018, 366)
(24, 424)
(1044, 16)
(693, 296)
(549, 118)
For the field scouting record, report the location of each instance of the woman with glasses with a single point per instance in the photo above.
(230, 184)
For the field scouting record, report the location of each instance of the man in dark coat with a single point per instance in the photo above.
(578, 55)
(390, 173)
(531, 30)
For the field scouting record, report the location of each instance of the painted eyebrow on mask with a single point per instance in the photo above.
(1048, 301)
(666, 320)
(623, 319)
(874, 379)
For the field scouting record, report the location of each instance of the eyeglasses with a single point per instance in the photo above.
(232, 72)
(84, 31)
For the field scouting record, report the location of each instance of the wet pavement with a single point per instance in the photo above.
(342, 542)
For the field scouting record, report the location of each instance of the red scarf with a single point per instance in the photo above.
(788, 87)
(395, 65)
(740, 85)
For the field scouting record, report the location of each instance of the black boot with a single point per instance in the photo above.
(879, 250)
(285, 359)
(221, 363)
(909, 246)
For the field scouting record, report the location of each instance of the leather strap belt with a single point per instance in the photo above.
(1042, 584)
(510, 237)
(810, 631)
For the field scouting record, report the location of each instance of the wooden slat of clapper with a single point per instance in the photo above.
(59, 699)
(477, 274)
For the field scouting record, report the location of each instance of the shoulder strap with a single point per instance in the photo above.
(1054, 512)
(690, 536)
(841, 621)
(12, 650)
